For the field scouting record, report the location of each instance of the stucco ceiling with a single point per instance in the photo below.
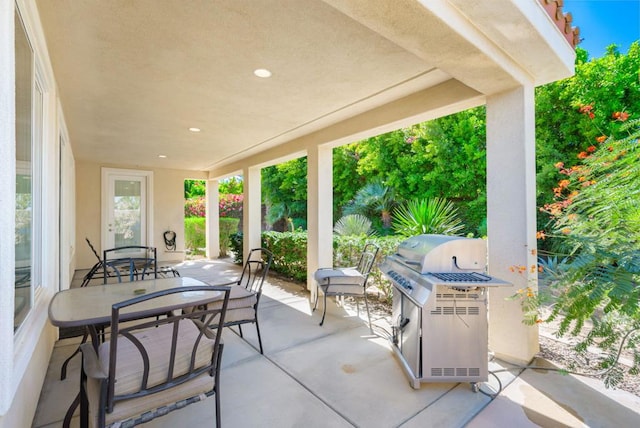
(134, 76)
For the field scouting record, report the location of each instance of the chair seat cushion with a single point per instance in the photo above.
(241, 306)
(338, 276)
(345, 280)
(240, 297)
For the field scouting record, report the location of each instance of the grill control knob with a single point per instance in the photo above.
(402, 281)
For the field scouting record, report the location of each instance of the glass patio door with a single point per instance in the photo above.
(125, 203)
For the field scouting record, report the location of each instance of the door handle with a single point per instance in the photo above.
(403, 323)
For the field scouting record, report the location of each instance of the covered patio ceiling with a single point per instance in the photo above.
(134, 76)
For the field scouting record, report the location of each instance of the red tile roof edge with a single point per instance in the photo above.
(563, 20)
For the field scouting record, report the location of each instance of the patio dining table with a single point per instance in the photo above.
(91, 307)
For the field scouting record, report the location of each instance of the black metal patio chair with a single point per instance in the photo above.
(149, 368)
(350, 281)
(247, 290)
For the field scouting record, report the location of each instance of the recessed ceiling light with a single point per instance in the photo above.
(262, 72)
(162, 156)
(194, 129)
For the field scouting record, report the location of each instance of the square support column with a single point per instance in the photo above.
(319, 212)
(213, 219)
(251, 211)
(511, 219)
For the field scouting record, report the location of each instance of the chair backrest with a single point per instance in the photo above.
(367, 259)
(133, 261)
(255, 269)
(93, 249)
(153, 355)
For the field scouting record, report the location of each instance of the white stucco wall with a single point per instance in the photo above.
(168, 209)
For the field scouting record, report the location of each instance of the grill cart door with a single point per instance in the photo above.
(407, 320)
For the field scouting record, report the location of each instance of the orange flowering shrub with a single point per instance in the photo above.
(596, 217)
(576, 176)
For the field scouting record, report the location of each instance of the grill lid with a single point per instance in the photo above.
(441, 253)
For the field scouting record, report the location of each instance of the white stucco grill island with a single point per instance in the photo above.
(440, 296)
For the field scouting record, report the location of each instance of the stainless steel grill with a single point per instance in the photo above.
(440, 327)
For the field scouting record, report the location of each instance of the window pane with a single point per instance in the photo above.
(127, 213)
(24, 189)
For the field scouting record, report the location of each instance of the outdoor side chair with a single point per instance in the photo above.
(350, 281)
(100, 271)
(134, 261)
(151, 367)
(246, 292)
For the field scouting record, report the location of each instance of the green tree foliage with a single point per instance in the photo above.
(456, 150)
(445, 158)
(232, 185)
(284, 192)
(394, 159)
(194, 188)
(573, 113)
(346, 179)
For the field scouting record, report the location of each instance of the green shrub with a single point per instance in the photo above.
(227, 227)
(235, 244)
(289, 253)
(194, 233)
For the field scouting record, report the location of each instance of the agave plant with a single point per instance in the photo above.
(353, 225)
(431, 215)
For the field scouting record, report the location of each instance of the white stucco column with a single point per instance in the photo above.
(511, 218)
(213, 219)
(251, 211)
(319, 212)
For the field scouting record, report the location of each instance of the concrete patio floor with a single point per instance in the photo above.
(341, 375)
